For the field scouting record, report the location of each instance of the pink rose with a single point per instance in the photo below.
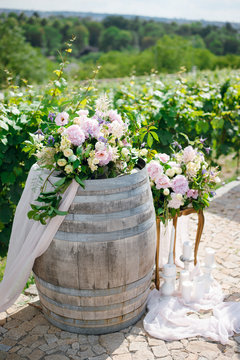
(192, 193)
(163, 157)
(189, 154)
(180, 184)
(62, 118)
(155, 170)
(75, 135)
(163, 182)
(104, 156)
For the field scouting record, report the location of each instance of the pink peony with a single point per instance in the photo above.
(180, 184)
(94, 128)
(113, 115)
(104, 156)
(90, 127)
(82, 113)
(155, 170)
(75, 135)
(62, 118)
(189, 154)
(163, 182)
(163, 157)
(192, 193)
(175, 201)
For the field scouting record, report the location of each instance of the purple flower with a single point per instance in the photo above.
(208, 149)
(204, 171)
(51, 115)
(51, 140)
(175, 143)
(202, 140)
(212, 193)
(38, 132)
(102, 139)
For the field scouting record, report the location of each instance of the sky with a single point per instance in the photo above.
(220, 10)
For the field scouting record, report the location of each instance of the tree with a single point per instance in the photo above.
(95, 28)
(113, 38)
(118, 21)
(19, 57)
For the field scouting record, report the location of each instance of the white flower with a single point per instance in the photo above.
(68, 168)
(82, 113)
(178, 157)
(115, 155)
(68, 152)
(62, 162)
(60, 130)
(125, 152)
(72, 158)
(116, 129)
(217, 179)
(192, 168)
(100, 146)
(143, 152)
(102, 103)
(178, 170)
(92, 166)
(166, 191)
(46, 156)
(38, 138)
(179, 197)
(65, 143)
(170, 172)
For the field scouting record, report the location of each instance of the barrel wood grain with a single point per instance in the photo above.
(95, 276)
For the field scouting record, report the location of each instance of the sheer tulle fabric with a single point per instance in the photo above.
(29, 239)
(172, 319)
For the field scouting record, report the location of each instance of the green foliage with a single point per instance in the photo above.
(19, 57)
(157, 107)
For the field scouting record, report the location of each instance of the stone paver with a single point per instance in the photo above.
(26, 334)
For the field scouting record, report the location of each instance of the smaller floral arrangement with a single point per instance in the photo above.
(182, 180)
(86, 145)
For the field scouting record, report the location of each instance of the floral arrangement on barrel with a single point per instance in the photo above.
(182, 180)
(87, 145)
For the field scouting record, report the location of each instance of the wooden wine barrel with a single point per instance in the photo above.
(95, 276)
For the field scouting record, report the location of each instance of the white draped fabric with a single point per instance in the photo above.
(169, 318)
(29, 239)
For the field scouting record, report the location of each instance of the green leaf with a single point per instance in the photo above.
(58, 212)
(60, 182)
(79, 150)
(6, 213)
(3, 125)
(8, 177)
(30, 214)
(79, 181)
(149, 140)
(155, 135)
(76, 163)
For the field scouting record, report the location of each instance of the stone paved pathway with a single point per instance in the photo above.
(25, 334)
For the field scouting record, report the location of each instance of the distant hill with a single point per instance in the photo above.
(100, 17)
